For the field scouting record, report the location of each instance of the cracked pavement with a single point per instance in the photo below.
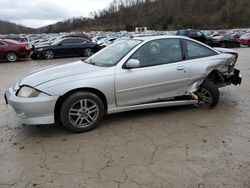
(154, 148)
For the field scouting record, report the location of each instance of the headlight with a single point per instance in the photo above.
(39, 49)
(28, 92)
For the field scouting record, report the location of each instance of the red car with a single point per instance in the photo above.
(245, 39)
(11, 50)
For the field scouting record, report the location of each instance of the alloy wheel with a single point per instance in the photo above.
(205, 97)
(49, 54)
(88, 52)
(11, 57)
(83, 113)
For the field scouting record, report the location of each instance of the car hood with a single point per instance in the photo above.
(55, 72)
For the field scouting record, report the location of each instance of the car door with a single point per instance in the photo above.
(162, 74)
(77, 47)
(64, 49)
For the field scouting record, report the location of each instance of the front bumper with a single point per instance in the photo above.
(32, 111)
(36, 54)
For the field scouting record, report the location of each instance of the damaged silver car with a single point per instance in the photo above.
(131, 74)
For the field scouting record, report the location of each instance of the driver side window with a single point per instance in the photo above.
(158, 52)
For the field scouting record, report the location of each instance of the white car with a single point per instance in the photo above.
(131, 74)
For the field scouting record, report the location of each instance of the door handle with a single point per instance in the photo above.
(180, 68)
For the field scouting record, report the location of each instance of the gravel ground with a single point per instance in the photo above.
(166, 147)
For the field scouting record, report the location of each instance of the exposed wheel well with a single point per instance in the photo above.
(62, 98)
(215, 76)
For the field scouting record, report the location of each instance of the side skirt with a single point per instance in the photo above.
(151, 105)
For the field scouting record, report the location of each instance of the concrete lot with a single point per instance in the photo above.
(167, 147)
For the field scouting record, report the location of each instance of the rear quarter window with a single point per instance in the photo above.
(195, 50)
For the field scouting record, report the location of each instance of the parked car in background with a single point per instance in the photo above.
(20, 39)
(11, 50)
(47, 41)
(130, 74)
(226, 41)
(78, 35)
(17, 38)
(195, 34)
(245, 39)
(107, 42)
(66, 47)
(97, 38)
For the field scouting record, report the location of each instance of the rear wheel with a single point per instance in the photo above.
(49, 54)
(11, 57)
(81, 111)
(87, 52)
(208, 94)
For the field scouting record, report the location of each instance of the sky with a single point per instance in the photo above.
(37, 13)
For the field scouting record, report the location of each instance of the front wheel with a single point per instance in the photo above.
(81, 111)
(49, 54)
(87, 52)
(11, 57)
(208, 94)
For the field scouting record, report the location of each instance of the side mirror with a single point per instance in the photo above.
(59, 44)
(133, 63)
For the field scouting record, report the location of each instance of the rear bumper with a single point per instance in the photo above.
(234, 79)
(24, 54)
(38, 110)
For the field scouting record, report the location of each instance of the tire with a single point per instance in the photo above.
(208, 94)
(81, 111)
(87, 52)
(49, 54)
(11, 57)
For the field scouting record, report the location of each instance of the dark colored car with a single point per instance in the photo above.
(245, 39)
(195, 34)
(66, 47)
(11, 50)
(226, 41)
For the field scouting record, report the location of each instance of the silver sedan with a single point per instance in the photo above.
(131, 74)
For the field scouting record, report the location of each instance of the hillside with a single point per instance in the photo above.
(173, 14)
(12, 28)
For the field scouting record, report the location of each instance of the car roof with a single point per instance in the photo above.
(73, 38)
(149, 38)
(11, 41)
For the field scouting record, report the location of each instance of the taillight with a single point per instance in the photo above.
(232, 60)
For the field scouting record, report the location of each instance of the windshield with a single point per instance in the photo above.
(112, 54)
